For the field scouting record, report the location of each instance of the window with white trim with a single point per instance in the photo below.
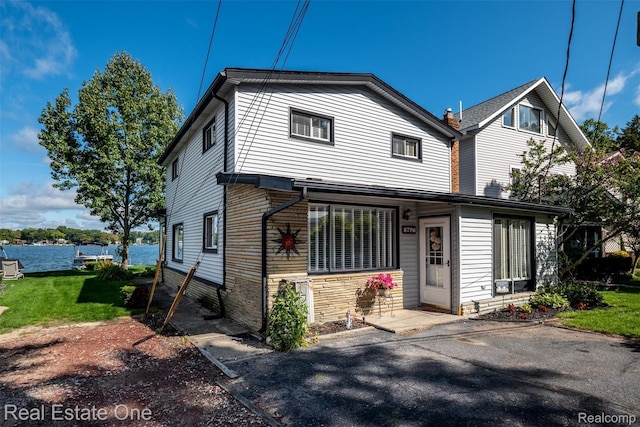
(209, 135)
(311, 126)
(551, 127)
(512, 249)
(210, 237)
(347, 238)
(178, 242)
(508, 118)
(406, 147)
(529, 119)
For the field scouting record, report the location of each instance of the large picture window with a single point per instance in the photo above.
(178, 242)
(347, 238)
(512, 251)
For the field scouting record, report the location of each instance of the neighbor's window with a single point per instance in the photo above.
(551, 128)
(512, 250)
(529, 119)
(407, 147)
(346, 238)
(174, 169)
(311, 126)
(209, 135)
(178, 242)
(508, 118)
(211, 232)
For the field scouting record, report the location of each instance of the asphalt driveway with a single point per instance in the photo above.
(470, 373)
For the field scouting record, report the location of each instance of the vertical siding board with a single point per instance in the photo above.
(476, 260)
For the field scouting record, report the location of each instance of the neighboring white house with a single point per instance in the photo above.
(327, 179)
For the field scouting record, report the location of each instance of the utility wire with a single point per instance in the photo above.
(613, 47)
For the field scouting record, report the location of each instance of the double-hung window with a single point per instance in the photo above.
(174, 169)
(210, 238)
(178, 242)
(529, 119)
(209, 135)
(406, 147)
(347, 238)
(513, 251)
(311, 126)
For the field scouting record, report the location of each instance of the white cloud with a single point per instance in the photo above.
(35, 42)
(26, 139)
(587, 104)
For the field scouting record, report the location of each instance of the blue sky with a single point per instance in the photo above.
(437, 53)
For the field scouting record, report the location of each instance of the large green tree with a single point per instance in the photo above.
(106, 147)
(605, 190)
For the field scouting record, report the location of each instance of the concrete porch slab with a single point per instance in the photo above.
(409, 321)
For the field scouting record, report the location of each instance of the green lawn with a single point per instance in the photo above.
(60, 296)
(621, 318)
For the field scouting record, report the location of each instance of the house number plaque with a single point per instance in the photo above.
(409, 229)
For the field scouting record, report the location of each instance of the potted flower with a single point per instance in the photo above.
(382, 283)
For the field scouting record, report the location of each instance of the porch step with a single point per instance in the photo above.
(497, 303)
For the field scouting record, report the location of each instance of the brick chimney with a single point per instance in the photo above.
(455, 152)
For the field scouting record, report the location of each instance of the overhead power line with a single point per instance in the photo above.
(613, 48)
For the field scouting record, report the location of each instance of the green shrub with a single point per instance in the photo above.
(548, 299)
(114, 272)
(578, 293)
(134, 296)
(287, 323)
(526, 308)
(612, 266)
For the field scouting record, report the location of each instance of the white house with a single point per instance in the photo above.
(327, 179)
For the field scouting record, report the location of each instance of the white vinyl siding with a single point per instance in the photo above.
(546, 253)
(360, 153)
(475, 254)
(196, 193)
(498, 149)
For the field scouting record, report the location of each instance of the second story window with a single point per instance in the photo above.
(508, 118)
(406, 147)
(174, 169)
(529, 119)
(311, 126)
(209, 135)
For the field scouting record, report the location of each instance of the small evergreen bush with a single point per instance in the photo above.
(578, 293)
(287, 323)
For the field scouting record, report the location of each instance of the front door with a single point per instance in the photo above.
(435, 262)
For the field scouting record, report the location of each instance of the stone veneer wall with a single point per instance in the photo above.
(196, 290)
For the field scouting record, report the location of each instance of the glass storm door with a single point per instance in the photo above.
(435, 262)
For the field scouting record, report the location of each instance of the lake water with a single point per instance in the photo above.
(53, 258)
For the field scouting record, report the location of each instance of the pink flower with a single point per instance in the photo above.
(381, 281)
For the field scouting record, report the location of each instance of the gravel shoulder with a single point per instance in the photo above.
(110, 374)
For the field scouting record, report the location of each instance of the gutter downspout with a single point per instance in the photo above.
(265, 218)
(225, 158)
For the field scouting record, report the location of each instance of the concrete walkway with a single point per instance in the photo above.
(410, 321)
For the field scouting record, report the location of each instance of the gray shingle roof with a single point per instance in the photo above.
(472, 117)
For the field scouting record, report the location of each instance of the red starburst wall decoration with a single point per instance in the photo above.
(288, 241)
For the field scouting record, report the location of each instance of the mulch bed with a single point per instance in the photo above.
(334, 327)
(518, 315)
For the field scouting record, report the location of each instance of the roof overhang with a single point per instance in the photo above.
(292, 184)
(231, 77)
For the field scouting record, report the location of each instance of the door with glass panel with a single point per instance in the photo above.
(435, 262)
